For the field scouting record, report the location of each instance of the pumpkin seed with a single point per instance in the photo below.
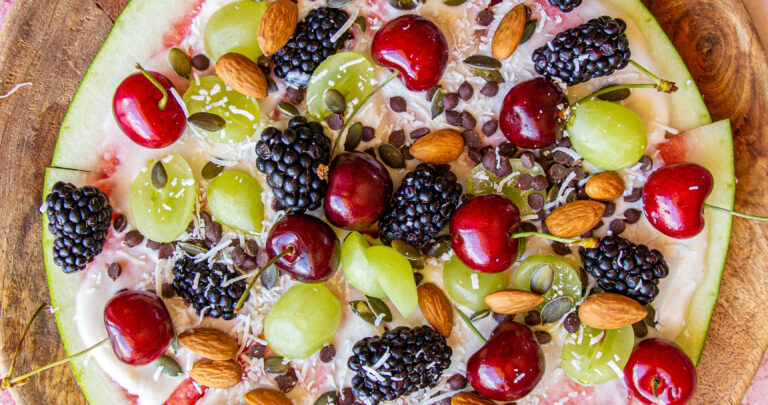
(616, 95)
(207, 121)
(269, 277)
(556, 309)
(454, 2)
(530, 27)
(416, 264)
(363, 310)
(275, 365)
(175, 343)
(379, 307)
(338, 3)
(479, 315)
(361, 24)
(159, 176)
(271, 85)
(483, 62)
(490, 75)
(437, 103)
(329, 398)
(440, 247)
(288, 109)
(391, 156)
(650, 319)
(542, 279)
(354, 136)
(180, 62)
(640, 329)
(191, 249)
(584, 281)
(169, 366)
(211, 170)
(335, 101)
(406, 249)
(403, 4)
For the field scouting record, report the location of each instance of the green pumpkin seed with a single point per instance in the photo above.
(490, 75)
(180, 62)
(556, 309)
(379, 307)
(329, 398)
(361, 24)
(454, 2)
(338, 3)
(169, 366)
(441, 246)
(479, 315)
(354, 136)
(391, 156)
(650, 319)
(406, 249)
(269, 277)
(207, 121)
(191, 249)
(483, 62)
(437, 103)
(271, 85)
(275, 365)
(416, 264)
(616, 95)
(175, 343)
(530, 27)
(403, 4)
(335, 101)
(159, 176)
(542, 279)
(584, 281)
(363, 310)
(640, 329)
(288, 109)
(211, 170)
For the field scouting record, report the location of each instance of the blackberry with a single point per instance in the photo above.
(79, 219)
(596, 48)
(310, 45)
(397, 363)
(202, 286)
(625, 268)
(295, 162)
(565, 6)
(422, 205)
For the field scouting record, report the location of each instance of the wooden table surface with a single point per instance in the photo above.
(51, 43)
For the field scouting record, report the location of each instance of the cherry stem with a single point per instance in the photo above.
(241, 301)
(585, 242)
(734, 213)
(21, 340)
(163, 101)
(471, 326)
(360, 106)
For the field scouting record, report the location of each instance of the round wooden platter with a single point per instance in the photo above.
(51, 44)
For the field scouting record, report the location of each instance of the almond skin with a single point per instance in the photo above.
(263, 396)
(277, 25)
(209, 343)
(440, 147)
(436, 308)
(508, 33)
(242, 74)
(510, 302)
(466, 398)
(610, 311)
(605, 186)
(216, 374)
(574, 218)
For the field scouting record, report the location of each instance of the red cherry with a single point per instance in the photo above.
(480, 233)
(138, 114)
(509, 365)
(415, 47)
(658, 372)
(530, 113)
(139, 326)
(315, 247)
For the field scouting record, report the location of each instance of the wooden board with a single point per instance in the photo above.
(51, 44)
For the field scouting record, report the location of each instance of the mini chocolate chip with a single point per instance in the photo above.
(419, 132)
(558, 171)
(327, 353)
(501, 317)
(490, 127)
(287, 381)
(249, 263)
(533, 318)
(153, 245)
(262, 258)
(468, 121)
(524, 181)
(167, 290)
(406, 151)
(646, 163)
(527, 160)
(580, 174)
(631, 215)
(348, 397)
(295, 96)
(213, 232)
(543, 337)
(277, 205)
(371, 151)
(475, 155)
(368, 134)
(637, 193)
(581, 194)
(527, 227)
(536, 201)
(206, 217)
(257, 350)
(397, 138)
(457, 382)
(598, 225)
(617, 226)
(398, 104)
(485, 18)
(540, 183)
(251, 247)
(490, 89)
(466, 91)
(453, 118)
(450, 101)
(335, 121)
(165, 251)
(610, 208)
(564, 143)
(418, 277)
(497, 165)
(561, 248)
(119, 223)
(571, 322)
(238, 256)
(431, 93)
(114, 271)
(472, 139)
(561, 157)
(200, 62)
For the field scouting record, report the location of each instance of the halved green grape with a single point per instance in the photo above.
(348, 72)
(608, 135)
(234, 28)
(480, 181)
(241, 113)
(593, 356)
(357, 271)
(162, 215)
(395, 275)
(467, 287)
(234, 198)
(565, 283)
(302, 321)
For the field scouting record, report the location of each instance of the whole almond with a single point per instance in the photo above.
(263, 396)
(277, 25)
(510, 302)
(242, 74)
(574, 218)
(440, 147)
(605, 186)
(209, 343)
(436, 308)
(610, 311)
(216, 374)
(466, 398)
(508, 33)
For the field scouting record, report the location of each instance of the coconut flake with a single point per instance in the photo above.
(14, 89)
(351, 20)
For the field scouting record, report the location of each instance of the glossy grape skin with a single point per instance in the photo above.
(357, 270)
(587, 354)
(348, 72)
(234, 198)
(395, 275)
(567, 282)
(240, 112)
(480, 181)
(163, 215)
(234, 28)
(139, 327)
(457, 281)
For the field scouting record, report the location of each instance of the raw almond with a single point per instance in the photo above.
(510, 302)
(605, 186)
(574, 218)
(242, 74)
(263, 396)
(443, 146)
(436, 308)
(217, 374)
(466, 398)
(610, 311)
(277, 25)
(508, 33)
(209, 343)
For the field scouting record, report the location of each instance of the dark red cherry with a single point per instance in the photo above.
(315, 247)
(530, 113)
(659, 373)
(139, 326)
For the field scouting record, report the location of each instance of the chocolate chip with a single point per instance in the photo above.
(277, 205)
(475, 155)
(507, 149)
(468, 121)
(490, 89)
(598, 225)
(610, 208)
(580, 174)
(418, 278)
(431, 93)
(540, 183)
(251, 247)
(466, 91)
(485, 18)
(406, 151)
(119, 223)
(397, 138)
(257, 350)
(453, 118)
(561, 248)
(249, 263)
(581, 194)
(213, 232)
(262, 258)
(646, 163)
(165, 251)
(206, 217)
(571, 322)
(637, 193)
(527, 227)
(533, 318)
(524, 181)
(398, 104)
(114, 271)
(327, 353)
(335, 121)
(200, 62)
(631, 215)
(490, 127)
(543, 337)
(617, 226)
(536, 201)
(501, 317)
(472, 139)
(457, 382)
(418, 133)
(527, 160)
(450, 101)
(238, 256)
(153, 245)
(498, 166)
(348, 397)
(368, 134)
(561, 157)
(287, 381)
(295, 96)
(558, 171)
(167, 290)
(564, 143)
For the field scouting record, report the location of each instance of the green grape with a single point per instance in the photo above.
(357, 270)
(395, 275)
(468, 287)
(566, 282)
(234, 28)
(234, 198)
(480, 181)
(348, 72)
(162, 215)
(302, 321)
(608, 135)
(593, 356)
(241, 113)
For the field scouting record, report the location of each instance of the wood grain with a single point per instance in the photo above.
(51, 44)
